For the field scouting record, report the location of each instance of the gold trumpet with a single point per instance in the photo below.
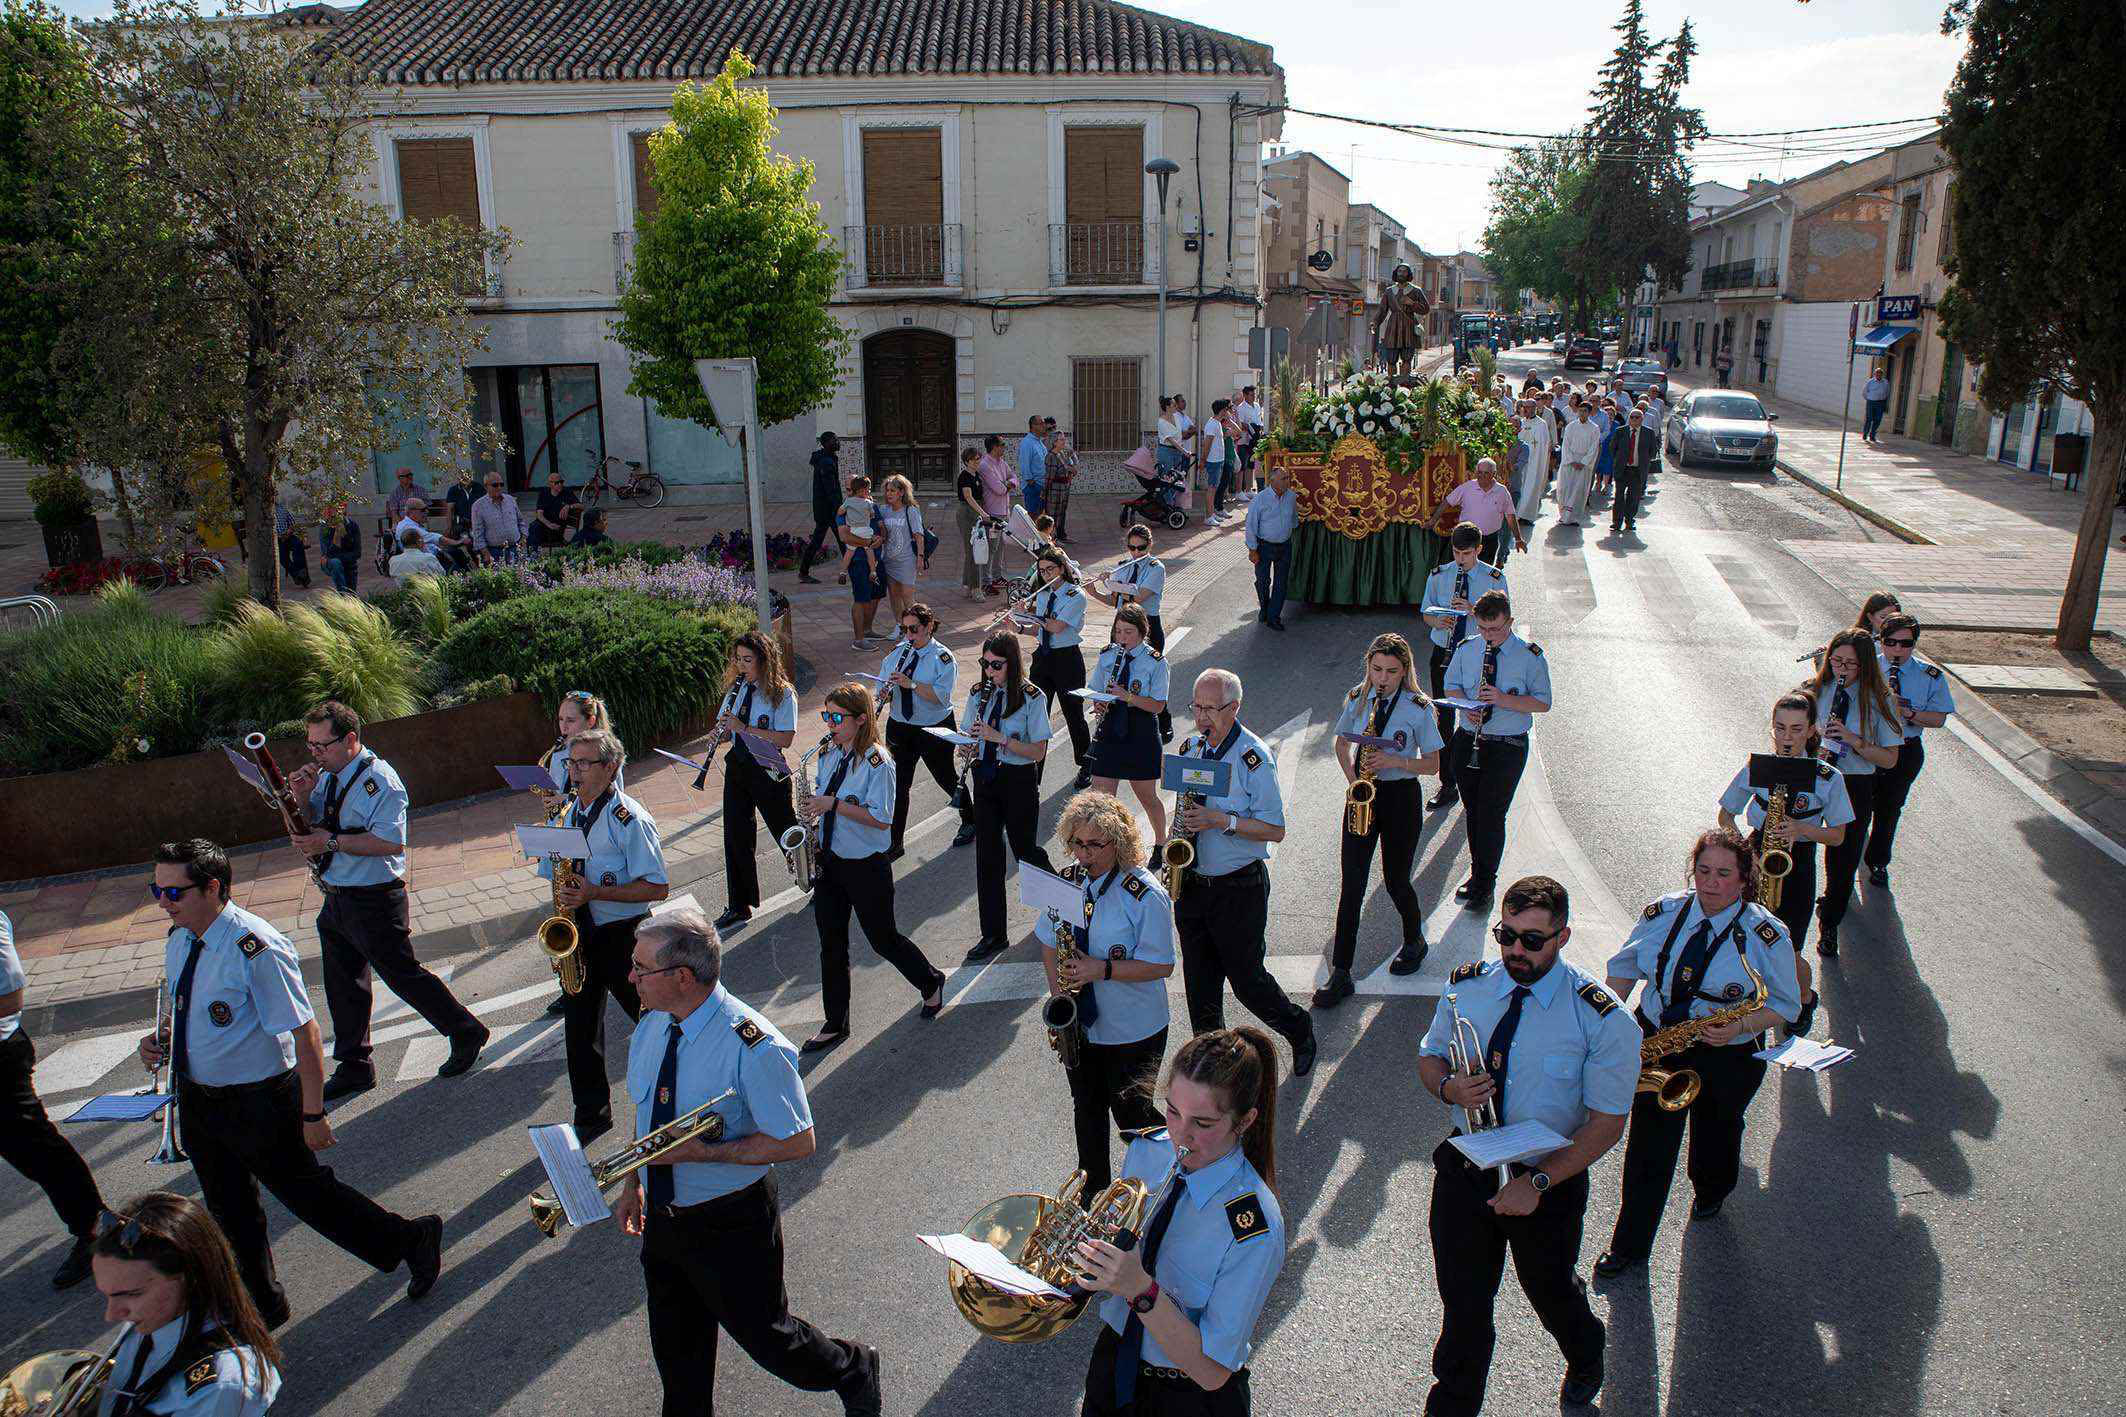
(558, 937)
(60, 1383)
(1676, 1088)
(701, 1124)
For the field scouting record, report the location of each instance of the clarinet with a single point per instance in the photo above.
(962, 794)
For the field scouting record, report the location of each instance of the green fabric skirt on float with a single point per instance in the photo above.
(1386, 568)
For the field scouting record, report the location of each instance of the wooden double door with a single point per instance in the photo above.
(911, 407)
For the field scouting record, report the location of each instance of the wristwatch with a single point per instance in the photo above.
(1231, 827)
(1142, 1304)
(1540, 1180)
(332, 843)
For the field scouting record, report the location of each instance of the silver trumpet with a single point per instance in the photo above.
(172, 1151)
(1465, 1051)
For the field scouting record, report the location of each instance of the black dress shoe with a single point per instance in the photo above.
(425, 1260)
(1703, 1210)
(588, 1132)
(1827, 941)
(1277, 625)
(1805, 1020)
(1083, 780)
(348, 1079)
(823, 1040)
(732, 918)
(1611, 1264)
(1410, 958)
(930, 1010)
(464, 1052)
(558, 1007)
(1478, 900)
(1445, 797)
(75, 1267)
(864, 1398)
(1465, 889)
(965, 834)
(986, 949)
(1878, 875)
(1303, 1055)
(1335, 991)
(1580, 1389)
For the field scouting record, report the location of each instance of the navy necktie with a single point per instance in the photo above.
(1690, 969)
(1131, 1351)
(1498, 1053)
(663, 1108)
(907, 695)
(995, 720)
(1897, 683)
(181, 1012)
(1046, 616)
(826, 823)
(745, 707)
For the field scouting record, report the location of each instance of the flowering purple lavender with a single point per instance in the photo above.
(690, 583)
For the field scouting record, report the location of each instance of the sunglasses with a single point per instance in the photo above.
(1901, 644)
(1529, 940)
(1079, 843)
(172, 894)
(830, 716)
(910, 629)
(129, 1235)
(988, 663)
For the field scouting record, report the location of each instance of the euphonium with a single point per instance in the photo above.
(1464, 1048)
(800, 843)
(701, 1124)
(172, 1151)
(1773, 862)
(558, 937)
(1675, 1089)
(60, 1383)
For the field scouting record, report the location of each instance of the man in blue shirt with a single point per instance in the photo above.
(711, 1227)
(1509, 680)
(1272, 518)
(1033, 463)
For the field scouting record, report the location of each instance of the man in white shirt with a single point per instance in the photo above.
(1578, 449)
(413, 558)
(1255, 421)
(1214, 469)
(447, 549)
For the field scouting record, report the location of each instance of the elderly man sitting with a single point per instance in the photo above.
(451, 551)
(414, 558)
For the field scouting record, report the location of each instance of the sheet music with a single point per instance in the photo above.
(562, 1156)
(1516, 1141)
(527, 779)
(1806, 1054)
(122, 1107)
(986, 1262)
(1042, 891)
(1094, 695)
(247, 770)
(949, 735)
(537, 843)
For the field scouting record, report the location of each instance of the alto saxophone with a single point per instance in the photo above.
(558, 936)
(800, 843)
(1068, 1014)
(1773, 862)
(1358, 799)
(1675, 1088)
(1179, 853)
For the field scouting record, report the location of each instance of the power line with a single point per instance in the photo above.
(1427, 129)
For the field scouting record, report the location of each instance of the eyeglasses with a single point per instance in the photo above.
(1529, 940)
(831, 716)
(1901, 644)
(636, 971)
(172, 894)
(586, 763)
(1202, 709)
(319, 745)
(988, 663)
(1079, 843)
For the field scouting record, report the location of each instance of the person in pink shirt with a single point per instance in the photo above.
(1000, 482)
(1486, 502)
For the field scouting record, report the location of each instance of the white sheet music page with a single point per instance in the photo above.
(988, 1263)
(562, 1156)
(1516, 1141)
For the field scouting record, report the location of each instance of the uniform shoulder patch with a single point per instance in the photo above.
(1652, 911)
(622, 815)
(251, 945)
(1825, 770)
(876, 757)
(749, 1032)
(369, 786)
(1535, 649)
(1768, 932)
(1599, 998)
(1244, 1214)
(1136, 885)
(1934, 671)
(1465, 972)
(944, 656)
(1355, 692)
(1072, 872)
(200, 1376)
(1154, 649)
(1253, 758)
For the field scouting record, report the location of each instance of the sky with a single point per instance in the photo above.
(1529, 66)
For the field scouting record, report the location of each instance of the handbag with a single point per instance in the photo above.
(978, 544)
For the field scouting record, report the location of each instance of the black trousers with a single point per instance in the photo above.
(1729, 1078)
(251, 1135)
(371, 927)
(1158, 1394)
(607, 952)
(1221, 921)
(1448, 758)
(1006, 807)
(911, 745)
(32, 1145)
(1842, 862)
(821, 530)
(1398, 820)
(747, 789)
(1055, 672)
(864, 885)
(1111, 1088)
(719, 1265)
(1156, 634)
(1487, 775)
(295, 557)
(1891, 790)
(1470, 1242)
(1631, 490)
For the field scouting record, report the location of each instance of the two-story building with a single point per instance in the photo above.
(1311, 291)
(981, 162)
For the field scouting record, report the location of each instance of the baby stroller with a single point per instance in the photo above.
(1163, 492)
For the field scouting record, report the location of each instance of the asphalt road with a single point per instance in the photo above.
(1932, 1228)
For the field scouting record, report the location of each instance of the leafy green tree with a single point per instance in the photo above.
(2034, 115)
(734, 261)
(1535, 227)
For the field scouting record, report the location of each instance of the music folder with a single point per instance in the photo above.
(574, 1186)
(1206, 777)
(528, 779)
(538, 843)
(121, 1107)
(1769, 771)
(765, 753)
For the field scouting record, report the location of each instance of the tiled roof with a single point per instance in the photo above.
(497, 41)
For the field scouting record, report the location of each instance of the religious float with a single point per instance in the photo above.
(1372, 460)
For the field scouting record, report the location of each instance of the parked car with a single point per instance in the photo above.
(1723, 426)
(1584, 349)
(1639, 375)
(1557, 344)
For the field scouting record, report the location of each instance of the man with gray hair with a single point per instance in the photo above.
(711, 1227)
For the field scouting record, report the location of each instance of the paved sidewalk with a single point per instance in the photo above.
(96, 935)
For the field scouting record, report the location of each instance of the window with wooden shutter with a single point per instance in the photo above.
(1106, 404)
(904, 234)
(645, 193)
(1103, 205)
(437, 179)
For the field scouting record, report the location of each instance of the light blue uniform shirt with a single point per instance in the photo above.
(1132, 919)
(1062, 601)
(11, 976)
(1745, 924)
(556, 766)
(1253, 792)
(247, 998)
(1824, 805)
(1919, 687)
(1220, 1254)
(1028, 725)
(1145, 580)
(1451, 580)
(869, 785)
(1878, 731)
(932, 665)
(1521, 670)
(1144, 672)
(230, 1382)
(1271, 517)
(1575, 1050)
(372, 799)
(1411, 724)
(722, 1044)
(624, 848)
(760, 715)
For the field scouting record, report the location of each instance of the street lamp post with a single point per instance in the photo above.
(731, 386)
(1162, 171)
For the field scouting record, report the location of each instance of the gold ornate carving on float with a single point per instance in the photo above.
(1352, 490)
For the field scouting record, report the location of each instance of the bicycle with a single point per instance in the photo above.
(190, 566)
(646, 485)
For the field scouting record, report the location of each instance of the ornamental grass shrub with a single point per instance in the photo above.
(111, 683)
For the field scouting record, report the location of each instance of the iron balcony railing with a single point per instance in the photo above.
(1103, 253)
(928, 254)
(1740, 275)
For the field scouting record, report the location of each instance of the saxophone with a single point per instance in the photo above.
(1773, 862)
(557, 934)
(800, 844)
(1067, 1014)
(1179, 853)
(1676, 1088)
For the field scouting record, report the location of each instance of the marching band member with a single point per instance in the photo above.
(1510, 677)
(580, 710)
(1386, 703)
(248, 1069)
(1689, 947)
(1058, 663)
(1123, 950)
(1877, 608)
(1010, 716)
(708, 1215)
(358, 825)
(1457, 584)
(28, 1140)
(1555, 1048)
(1820, 814)
(1178, 1322)
(919, 675)
(852, 807)
(1223, 915)
(1923, 701)
(198, 1347)
(762, 701)
(1126, 745)
(621, 879)
(1862, 734)
(1140, 581)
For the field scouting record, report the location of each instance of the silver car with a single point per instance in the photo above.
(1723, 426)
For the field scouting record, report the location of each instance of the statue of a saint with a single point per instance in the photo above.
(1402, 306)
